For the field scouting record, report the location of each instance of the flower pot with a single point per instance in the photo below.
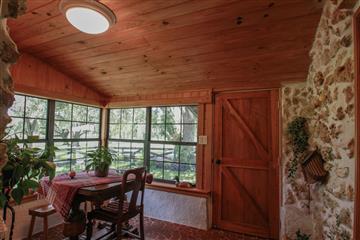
(101, 172)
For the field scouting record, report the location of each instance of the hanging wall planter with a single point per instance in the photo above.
(313, 168)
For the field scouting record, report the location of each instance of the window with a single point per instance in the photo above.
(29, 120)
(127, 130)
(74, 129)
(76, 132)
(161, 138)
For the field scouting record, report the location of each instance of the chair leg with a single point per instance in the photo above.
(45, 228)
(119, 231)
(89, 227)
(142, 234)
(31, 229)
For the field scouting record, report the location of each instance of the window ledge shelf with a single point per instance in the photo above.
(172, 188)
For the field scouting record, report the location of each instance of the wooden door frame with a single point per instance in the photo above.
(276, 141)
(356, 32)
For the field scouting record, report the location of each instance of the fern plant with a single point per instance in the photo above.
(299, 137)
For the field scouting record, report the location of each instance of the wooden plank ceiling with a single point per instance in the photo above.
(160, 45)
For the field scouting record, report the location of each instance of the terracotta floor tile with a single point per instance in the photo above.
(161, 230)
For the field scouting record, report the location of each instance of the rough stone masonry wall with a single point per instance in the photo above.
(327, 101)
(8, 56)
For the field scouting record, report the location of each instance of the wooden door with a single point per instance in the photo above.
(246, 171)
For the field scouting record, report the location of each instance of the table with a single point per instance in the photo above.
(65, 193)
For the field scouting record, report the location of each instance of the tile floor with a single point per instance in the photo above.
(160, 230)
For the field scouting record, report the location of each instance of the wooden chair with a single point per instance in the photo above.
(43, 212)
(120, 211)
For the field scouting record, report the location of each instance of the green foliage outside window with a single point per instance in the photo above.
(170, 146)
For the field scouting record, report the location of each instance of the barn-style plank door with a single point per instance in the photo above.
(246, 171)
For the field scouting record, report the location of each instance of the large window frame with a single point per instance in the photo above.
(148, 141)
(50, 118)
(72, 141)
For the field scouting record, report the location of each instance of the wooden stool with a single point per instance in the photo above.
(43, 212)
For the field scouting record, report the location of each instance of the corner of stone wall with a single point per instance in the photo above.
(326, 99)
(8, 55)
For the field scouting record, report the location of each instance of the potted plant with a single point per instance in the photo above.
(100, 160)
(24, 168)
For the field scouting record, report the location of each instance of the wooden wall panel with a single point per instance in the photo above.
(170, 98)
(35, 77)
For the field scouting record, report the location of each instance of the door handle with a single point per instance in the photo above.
(218, 161)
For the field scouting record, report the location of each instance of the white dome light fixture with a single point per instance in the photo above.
(88, 16)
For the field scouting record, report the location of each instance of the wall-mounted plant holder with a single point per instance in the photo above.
(313, 167)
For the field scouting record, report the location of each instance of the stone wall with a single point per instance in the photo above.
(327, 100)
(8, 56)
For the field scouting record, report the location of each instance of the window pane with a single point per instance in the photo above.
(158, 115)
(189, 114)
(36, 107)
(78, 156)
(137, 151)
(126, 131)
(157, 152)
(63, 152)
(189, 133)
(124, 151)
(171, 170)
(79, 130)
(158, 132)
(92, 145)
(78, 150)
(62, 167)
(139, 131)
(114, 131)
(173, 115)
(156, 168)
(188, 154)
(188, 173)
(17, 109)
(115, 115)
(40, 145)
(126, 115)
(140, 115)
(62, 111)
(171, 153)
(62, 130)
(93, 130)
(93, 115)
(15, 128)
(79, 113)
(35, 128)
(173, 132)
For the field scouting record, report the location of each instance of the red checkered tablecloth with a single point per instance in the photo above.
(60, 192)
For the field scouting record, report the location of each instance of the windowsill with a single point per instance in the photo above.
(166, 187)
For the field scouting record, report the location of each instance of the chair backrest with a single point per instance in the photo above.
(133, 182)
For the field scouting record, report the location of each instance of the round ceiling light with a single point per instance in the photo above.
(88, 16)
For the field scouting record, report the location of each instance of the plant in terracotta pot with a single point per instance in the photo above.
(100, 160)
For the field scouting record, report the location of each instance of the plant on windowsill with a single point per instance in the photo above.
(299, 137)
(100, 160)
(23, 170)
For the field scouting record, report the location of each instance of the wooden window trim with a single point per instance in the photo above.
(166, 187)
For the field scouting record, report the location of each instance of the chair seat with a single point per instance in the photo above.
(42, 211)
(110, 211)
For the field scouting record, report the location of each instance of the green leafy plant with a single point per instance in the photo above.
(100, 159)
(302, 236)
(299, 137)
(25, 167)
